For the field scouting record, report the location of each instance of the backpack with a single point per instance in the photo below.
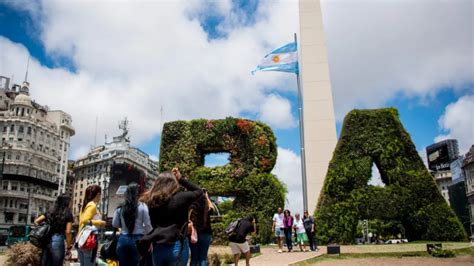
(231, 229)
(41, 234)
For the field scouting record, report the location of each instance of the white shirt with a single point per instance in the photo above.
(299, 226)
(278, 219)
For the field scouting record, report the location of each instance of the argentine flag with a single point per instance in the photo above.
(284, 59)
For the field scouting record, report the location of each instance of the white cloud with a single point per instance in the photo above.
(133, 57)
(381, 49)
(376, 179)
(288, 170)
(458, 121)
(276, 111)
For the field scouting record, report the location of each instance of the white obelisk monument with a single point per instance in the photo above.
(318, 111)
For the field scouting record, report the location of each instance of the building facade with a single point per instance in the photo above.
(111, 166)
(35, 142)
(468, 170)
(443, 162)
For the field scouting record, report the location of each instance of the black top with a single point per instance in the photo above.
(244, 228)
(56, 226)
(175, 211)
(308, 221)
(200, 218)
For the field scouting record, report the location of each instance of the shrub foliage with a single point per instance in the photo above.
(410, 195)
(253, 152)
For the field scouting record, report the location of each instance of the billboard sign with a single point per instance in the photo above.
(439, 157)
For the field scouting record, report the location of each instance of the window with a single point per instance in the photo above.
(5, 129)
(12, 128)
(22, 218)
(14, 186)
(5, 186)
(17, 157)
(28, 131)
(8, 217)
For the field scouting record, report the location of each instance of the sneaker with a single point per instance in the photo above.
(280, 251)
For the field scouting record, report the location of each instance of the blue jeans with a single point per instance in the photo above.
(169, 254)
(53, 254)
(200, 249)
(85, 257)
(127, 251)
(289, 241)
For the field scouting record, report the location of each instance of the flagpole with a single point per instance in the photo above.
(301, 122)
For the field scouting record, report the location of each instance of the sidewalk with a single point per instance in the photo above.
(270, 256)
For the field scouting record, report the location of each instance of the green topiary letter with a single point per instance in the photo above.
(410, 195)
(253, 153)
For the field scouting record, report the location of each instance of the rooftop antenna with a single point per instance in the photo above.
(123, 125)
(27, 67)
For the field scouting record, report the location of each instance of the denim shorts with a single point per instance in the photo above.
(279, 232)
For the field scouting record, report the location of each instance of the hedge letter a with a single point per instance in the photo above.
(410, 196)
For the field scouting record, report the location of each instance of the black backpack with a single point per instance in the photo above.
(231, 229)
(40, 235)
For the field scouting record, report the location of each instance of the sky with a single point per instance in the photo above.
(107, 60)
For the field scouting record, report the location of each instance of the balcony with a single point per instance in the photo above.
(24, 195)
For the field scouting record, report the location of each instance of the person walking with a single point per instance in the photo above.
(238, 242)
(168, 207)
(60, 220)
(278, 228)
(308, 222)
(136, 224)
(200, 217)
(288, 229)
(90, 215)
(301, 237)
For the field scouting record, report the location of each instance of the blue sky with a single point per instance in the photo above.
(194, 59)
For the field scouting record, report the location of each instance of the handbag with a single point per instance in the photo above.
(108, 249)
(87, 238)
(41, 234)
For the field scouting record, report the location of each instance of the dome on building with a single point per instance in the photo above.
(22, 99)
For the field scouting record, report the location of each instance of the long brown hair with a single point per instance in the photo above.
(163, 189)
(91, 192)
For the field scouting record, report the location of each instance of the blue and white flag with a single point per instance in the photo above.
(284, 59)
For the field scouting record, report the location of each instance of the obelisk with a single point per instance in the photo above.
(318, 111)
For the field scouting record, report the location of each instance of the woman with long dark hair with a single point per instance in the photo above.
(288, 229)
(200, 217)
(60, 220)
(168, 208)
(90, 215)
(136, 224)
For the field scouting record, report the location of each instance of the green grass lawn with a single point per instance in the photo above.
(460, 249)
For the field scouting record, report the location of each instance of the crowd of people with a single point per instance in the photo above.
(170, 224)
(284, 225)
